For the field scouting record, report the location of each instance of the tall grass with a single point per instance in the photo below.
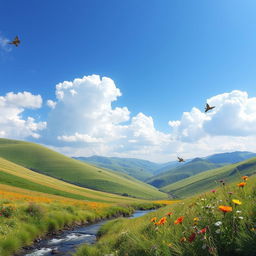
(219, 222)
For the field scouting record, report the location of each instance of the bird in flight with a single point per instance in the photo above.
(16, 41)
(180, 159)
(208, 107)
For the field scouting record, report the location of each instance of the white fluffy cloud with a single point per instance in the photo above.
(12, 124)
(83, 111)
(82, 121)
(23, 100)
(83, 117)
(234, 115)
(51, 103)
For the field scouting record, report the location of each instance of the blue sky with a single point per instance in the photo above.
(166, 56)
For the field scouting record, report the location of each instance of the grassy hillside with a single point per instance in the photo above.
(192, 227)
(137, 168)
(15, 177)
(209, 179)
(49, 162)
(186, 170)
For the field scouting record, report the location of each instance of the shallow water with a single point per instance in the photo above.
(67, 242)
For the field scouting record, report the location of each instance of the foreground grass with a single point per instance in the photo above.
(220, 222)
(24, 217)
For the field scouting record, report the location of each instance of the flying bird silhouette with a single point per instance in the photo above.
(16, 41)
(180, 159)
(208, 107)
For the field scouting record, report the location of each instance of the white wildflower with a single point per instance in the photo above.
(218, 223)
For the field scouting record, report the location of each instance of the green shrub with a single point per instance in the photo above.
(35, 210)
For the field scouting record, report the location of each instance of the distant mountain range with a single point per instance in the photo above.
(160, 175)
(230, 158)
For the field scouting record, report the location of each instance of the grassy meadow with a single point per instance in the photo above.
(218, 222)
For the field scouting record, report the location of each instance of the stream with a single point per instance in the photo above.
(67, 242)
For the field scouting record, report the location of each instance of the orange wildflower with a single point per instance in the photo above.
(153, 219)
(162, 220)
(241, 185)
(169, 213)
(245, 178)
(225, 209)
(179, 220)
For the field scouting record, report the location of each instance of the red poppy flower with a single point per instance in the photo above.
(203, 230)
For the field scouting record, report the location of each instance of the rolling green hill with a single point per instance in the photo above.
(137, 168)
(186, 170)
(175, 171)
(209, 179)
(14, 177)
(43, 160)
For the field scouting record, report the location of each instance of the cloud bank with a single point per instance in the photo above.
(82, 121)
(12, 123)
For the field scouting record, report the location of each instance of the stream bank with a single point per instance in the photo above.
(66, 242)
